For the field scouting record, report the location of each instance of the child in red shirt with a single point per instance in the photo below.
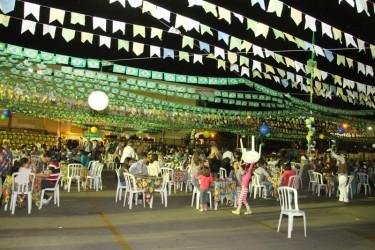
(205, 180)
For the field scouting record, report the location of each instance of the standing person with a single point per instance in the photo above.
(94, 150)
(206, 178)
(88, 147)
(342, 171)
(214, 161)
(5, 160)
(127, 152)
(51, 176)
(245, 189)
(118, 153)
(229, 154)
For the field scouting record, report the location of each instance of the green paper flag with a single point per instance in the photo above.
(78, 62)
(93, 64)
(61, 59)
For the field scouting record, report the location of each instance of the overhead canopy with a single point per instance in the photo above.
(179, 65)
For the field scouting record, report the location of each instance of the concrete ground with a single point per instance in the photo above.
(92, 220)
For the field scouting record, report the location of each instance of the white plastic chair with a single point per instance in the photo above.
(319, 183)
(311, 180)
(163, 191)
(288, 196)
(363, 181)
(95, 176)
(132, 189)
(171, 181)
(223, 173)
(56, 193)
(294, 181)
(22, 187)
(119, 186)
(196, 196)
(111, 163)
(74, 173)
(299, 173)
(256, 186)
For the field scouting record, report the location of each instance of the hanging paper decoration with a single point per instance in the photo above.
(98, 100)
(140, 132)
(94, 129)
(268, 135)
(197, 136)
(3, 117)
(79, 122)
(321, 136)
(310, 134)
(373, 145)
(264, 129)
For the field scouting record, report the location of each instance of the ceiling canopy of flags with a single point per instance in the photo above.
(172, 65)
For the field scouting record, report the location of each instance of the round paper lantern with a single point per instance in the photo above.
(264, 129)
(94, 129)
(340, 131)
(373, 145)
(98, 100)
(206, 134)
(7, 112)
(196, 136)
(140, 132)
(3, 117)
(268, 134)
(321, 136)
(79, 122)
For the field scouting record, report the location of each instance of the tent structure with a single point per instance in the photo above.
(302, 67)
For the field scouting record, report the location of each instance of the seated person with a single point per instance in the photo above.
(263, 177)
(139, 167)
(125, 169)
(84, 158)
(153, 167)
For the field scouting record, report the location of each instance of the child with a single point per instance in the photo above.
(205, 179)
(245, 189)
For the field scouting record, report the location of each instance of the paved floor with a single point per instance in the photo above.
(92, 220)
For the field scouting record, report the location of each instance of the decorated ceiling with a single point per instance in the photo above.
(172, 65)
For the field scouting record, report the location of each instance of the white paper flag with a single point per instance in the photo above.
(118, 26)
(198, 58)
(49, 29)
(31, 8)
(99, 22)
(154, 51)
(105, 40)
(56, 14)
(28, 26)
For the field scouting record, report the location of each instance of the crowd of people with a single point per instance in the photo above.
(203, 163)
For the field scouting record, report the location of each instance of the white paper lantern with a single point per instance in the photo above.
(373, 145)
(98, 100)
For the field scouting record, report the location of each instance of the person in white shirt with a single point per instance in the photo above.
(128, 152)
(342, 172)
(153, 167)
(263, 177)
(229, 154)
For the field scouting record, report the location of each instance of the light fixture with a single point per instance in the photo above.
(369, 128)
